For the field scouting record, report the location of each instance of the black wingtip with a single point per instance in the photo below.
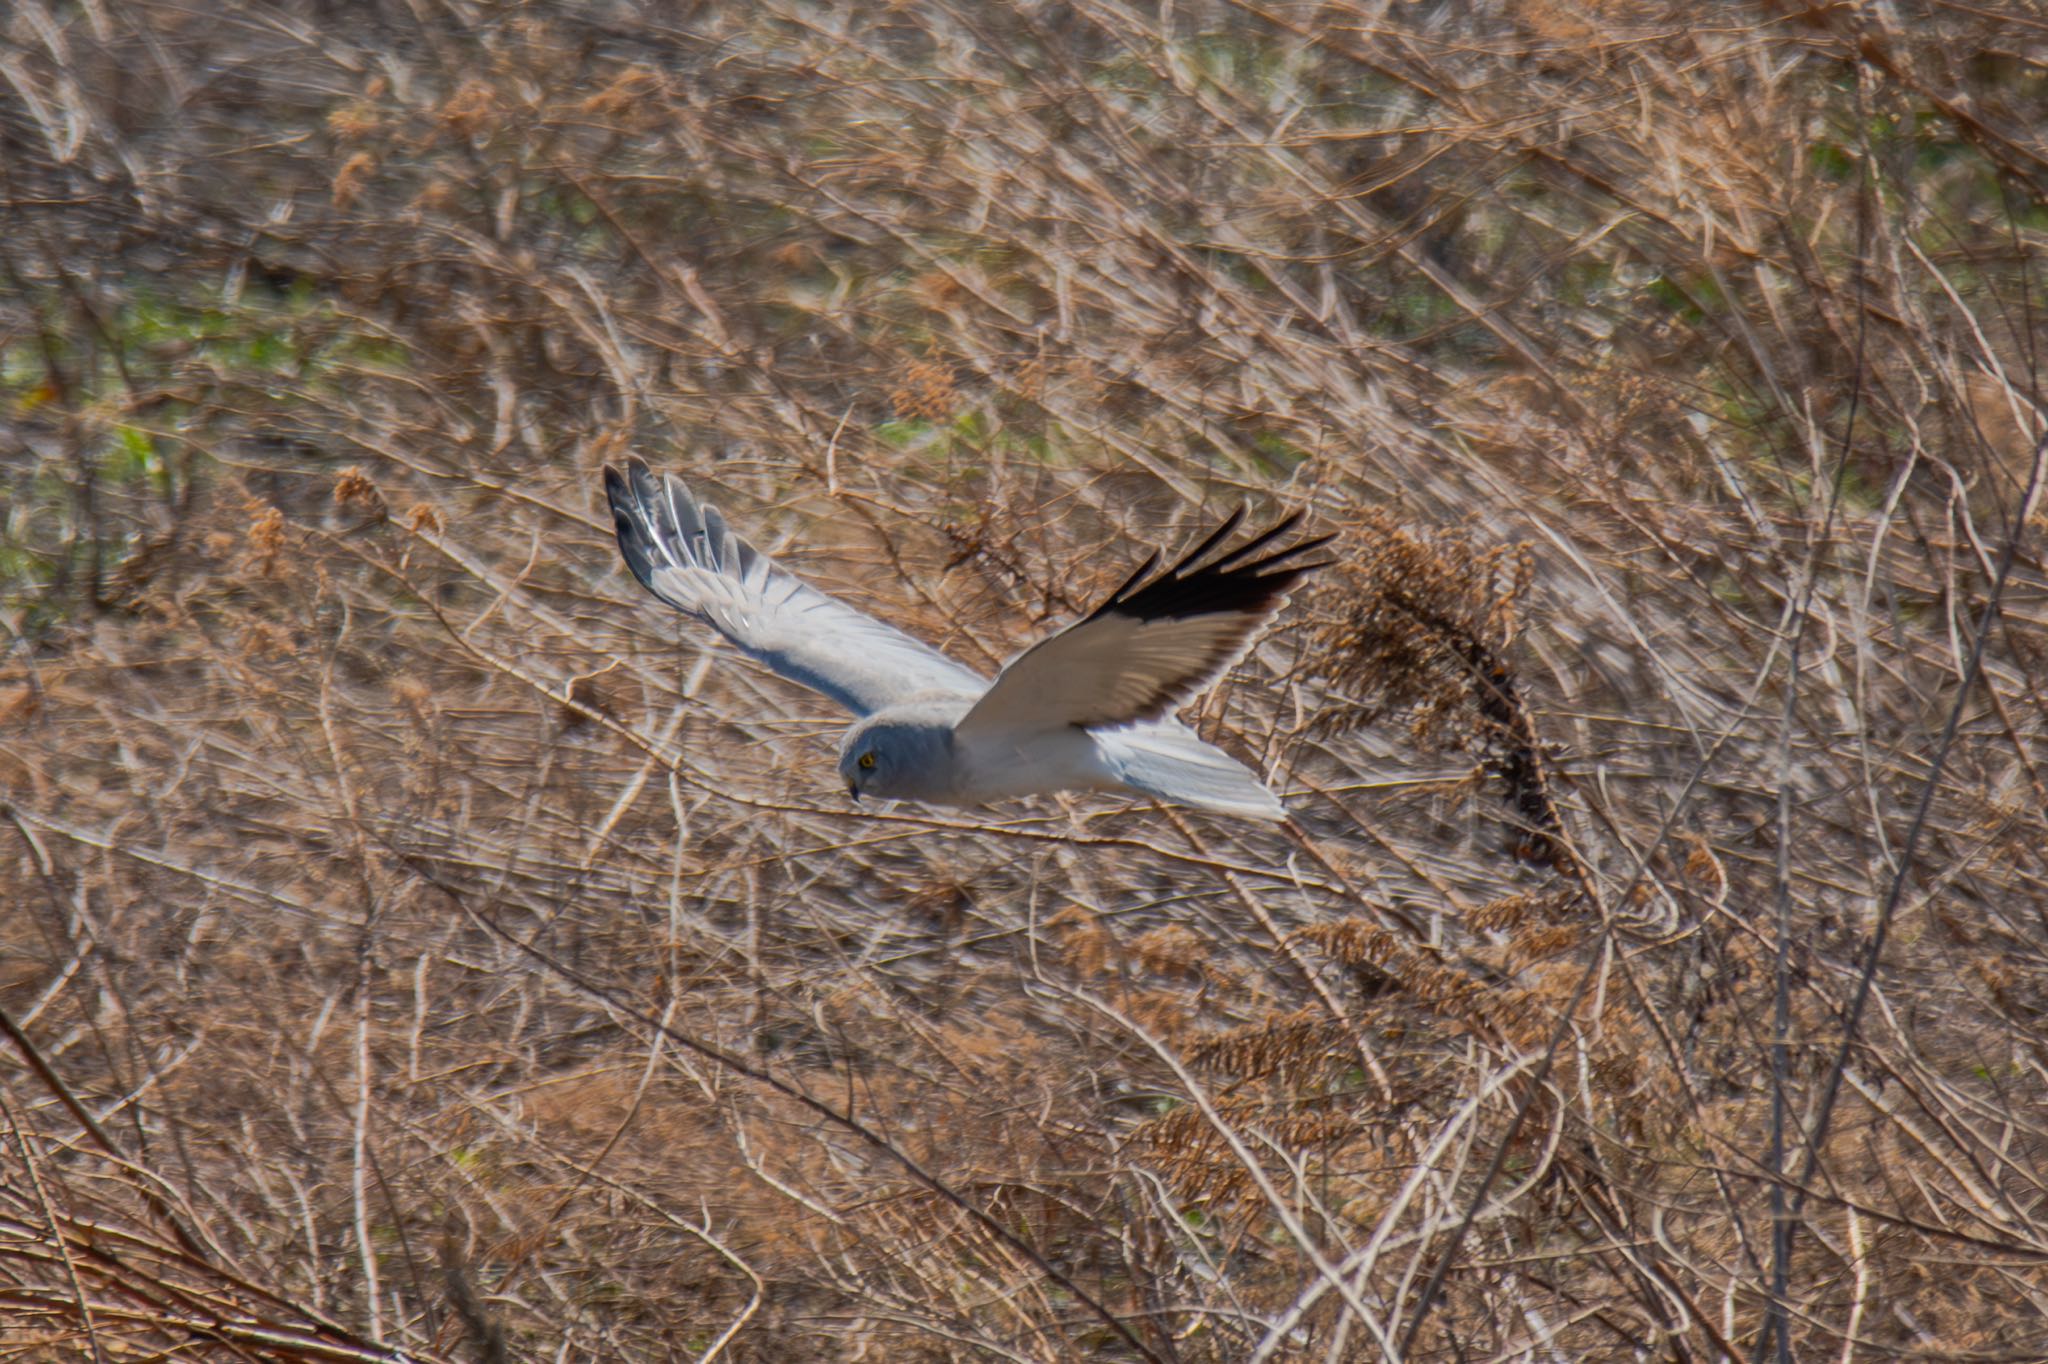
(1295, 550)
(1129, 584)
(629, 522)
(1241, 580)
(646, 488)
(1214, 538)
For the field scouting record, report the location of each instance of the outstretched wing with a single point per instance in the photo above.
(1154, 645)
(682, 551)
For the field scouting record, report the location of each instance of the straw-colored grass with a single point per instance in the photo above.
(414, 943)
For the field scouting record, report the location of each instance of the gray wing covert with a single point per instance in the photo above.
(683, 552)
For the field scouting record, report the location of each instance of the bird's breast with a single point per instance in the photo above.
(1003, 767)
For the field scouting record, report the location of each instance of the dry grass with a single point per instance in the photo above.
(416, 942)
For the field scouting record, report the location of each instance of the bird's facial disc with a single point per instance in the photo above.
(861, 771)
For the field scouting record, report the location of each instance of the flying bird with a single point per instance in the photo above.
(1089, 707)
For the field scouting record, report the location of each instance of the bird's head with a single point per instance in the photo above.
(900, 757)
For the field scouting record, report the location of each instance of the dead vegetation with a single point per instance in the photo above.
(416, 945)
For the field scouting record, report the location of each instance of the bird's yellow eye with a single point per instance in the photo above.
(867, 761)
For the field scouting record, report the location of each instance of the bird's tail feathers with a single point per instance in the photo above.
(1172, 762)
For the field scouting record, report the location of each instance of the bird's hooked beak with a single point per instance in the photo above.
(853, 793)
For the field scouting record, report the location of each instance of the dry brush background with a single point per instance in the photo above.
(416, 944)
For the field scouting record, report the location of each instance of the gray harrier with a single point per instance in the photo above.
(1087, 708)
